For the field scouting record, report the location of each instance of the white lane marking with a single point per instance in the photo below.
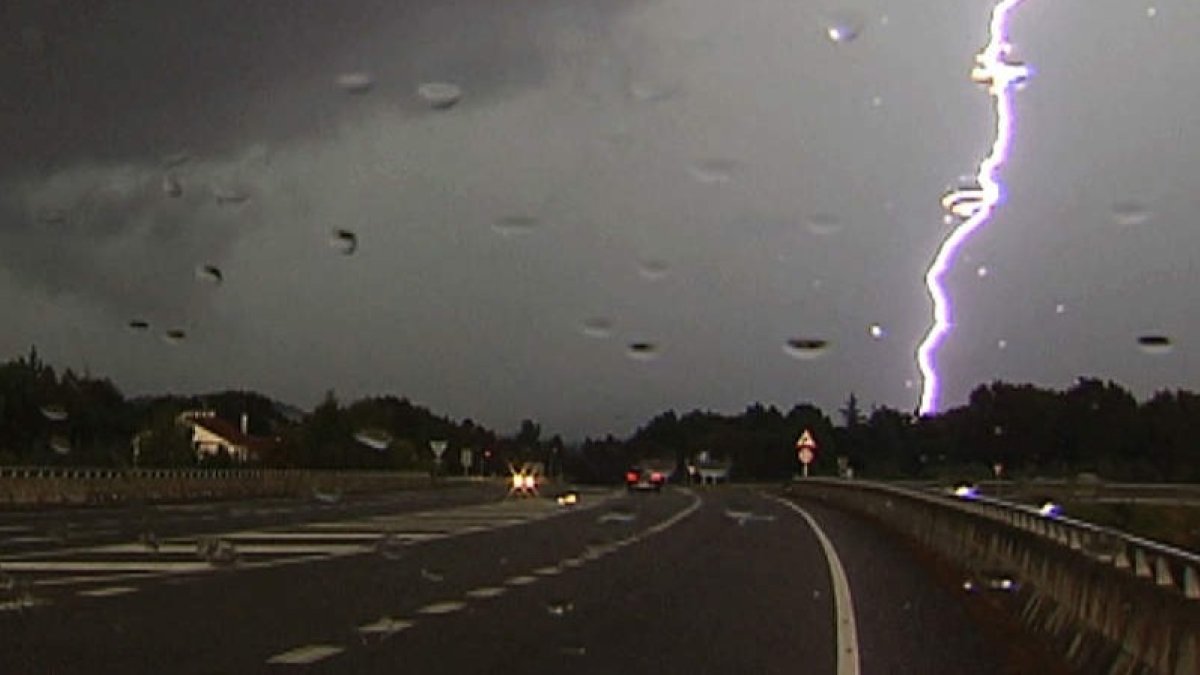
(548, 571)
(15, 528)
(102, 566)
(522, 580)
(487, 592)
(385, 626)
(442, 607)
(257, 548)
(303, 655)
(304, 536)
(847, 631)
(571, 562)
(30, 539)
(107, 592)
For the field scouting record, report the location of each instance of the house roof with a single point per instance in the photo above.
(231, 433)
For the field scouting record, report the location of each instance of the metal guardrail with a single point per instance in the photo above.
(1109, 601)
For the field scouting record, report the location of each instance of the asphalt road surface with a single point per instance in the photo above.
(714, 580)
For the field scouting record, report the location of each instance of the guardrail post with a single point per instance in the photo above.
(1191, 584)
(1162, 572)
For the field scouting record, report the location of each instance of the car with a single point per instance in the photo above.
(640, 479)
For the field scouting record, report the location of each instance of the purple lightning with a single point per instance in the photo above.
(974, 203)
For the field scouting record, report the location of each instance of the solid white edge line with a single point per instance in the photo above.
(305, 655)
(847, 630)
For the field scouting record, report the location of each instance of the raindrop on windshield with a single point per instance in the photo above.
(806, 348)
(597, 327)
(843, 26)
(512, 226)
(54, 413)
(440, 95)
(390, 546)
(376, 439)
(643, 351)
(345, 241)
(560, 607)
(60, 445)
(1060, 308)
(1129, 213)
(171, 186)
(713, 171)
(210, 273)
(327, 496)
(824, 224)
(229, 196)
(876, 331)
(1002, 344)
(981, 271)
(139, 324)
(175, 336)
(653, 269)
(355, 83)
(1155, 345)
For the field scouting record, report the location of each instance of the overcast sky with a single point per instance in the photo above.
(713, 178)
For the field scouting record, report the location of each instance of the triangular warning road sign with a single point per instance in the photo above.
(806, 441)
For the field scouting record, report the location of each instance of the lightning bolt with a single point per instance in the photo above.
(976, 203)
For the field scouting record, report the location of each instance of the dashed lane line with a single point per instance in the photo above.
(304, 655)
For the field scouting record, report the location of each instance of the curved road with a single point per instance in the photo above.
(720, 580)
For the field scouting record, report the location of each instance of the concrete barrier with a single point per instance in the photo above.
(48, 486)
(1108, 601)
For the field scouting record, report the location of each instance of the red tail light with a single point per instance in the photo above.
(631, 477)
(656, 477)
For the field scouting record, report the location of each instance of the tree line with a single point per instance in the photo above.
(1093, 426)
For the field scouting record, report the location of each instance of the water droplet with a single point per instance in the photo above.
(218, 552)
(646, 92)
(139, 324)
(327, 496)
(60, 445)
(824, 224)
(355, 83)
(345, 241)
(176, 159)
(1151, 12)
(171, 186)
(981, 271)
(1002, 343)
(512, 226)
(560, 607)
(909, 384)
(1060, 308)
(149, 540)
(440, 95)
(432, 576)
(876, 331)
(876, 101)
(175, 336)
(843, 26)
(390, 546)
(643, 351)
(54, 413)
(1129, 213)
(229, 196)
(597, 327)
(1155, 345)
(210, 273)
(52, 216)
(653, 269)
(805, 348)
(713, 171)
(376, 439)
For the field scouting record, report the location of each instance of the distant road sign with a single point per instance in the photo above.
(465, 456)
(806, 441)
(806, 456)
(438, 448)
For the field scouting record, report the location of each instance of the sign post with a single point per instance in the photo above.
(806, 450)
(438, 448)
(465, 457)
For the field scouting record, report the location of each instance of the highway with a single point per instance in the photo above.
(713, 580)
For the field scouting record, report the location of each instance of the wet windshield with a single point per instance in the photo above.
(500, 325)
